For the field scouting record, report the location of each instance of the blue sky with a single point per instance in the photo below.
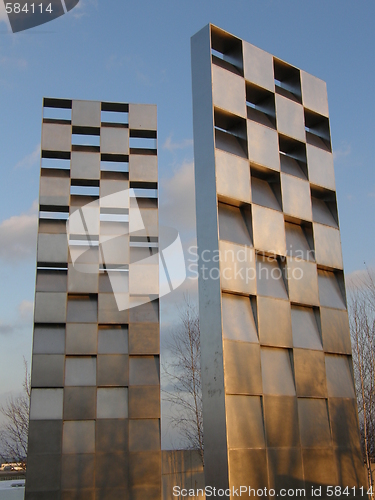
(140, 52)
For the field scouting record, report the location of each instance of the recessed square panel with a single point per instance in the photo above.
(81, 338)
(238, 318)
(320, 166)
(50, 307)
(310, 373)
(258, 66)
(228, 91)
(319, 468)
(113, 308)
(45, 437)
(281, 420)
(331, 293)
(263, 145)
(85, 165)
(144, 402)
(79, 403)
(285, 468)
(274, 322)
(232, 177)
(144, 435)
(143, 310)
(277, 375)
(270, 280)
(248, 467)
(296, 197)
(112, 370)
(79, 436)
(327, 246)
(234, 224)
(305, 328)
(343, 416)
(324, 211)
(49, 339)
(299, 241)
(86, 113)
(314, 425)
(112, 403)
(144, 370)
(290, 118)
(82, 309)
(335, 331)
(314, 93)
(113, 340)
(83, 278)
(339, 377)
(303, 282)
(237, 268)
(56, 137)
(264, 193)
(46, 404)
(269, 230)
(80, 371)
(48, 370)
(244, 422)
(144, 338)
(51, 281)
(114, 140)
(242, 368)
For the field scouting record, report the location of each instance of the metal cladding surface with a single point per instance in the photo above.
(279, 403)
(95, 396)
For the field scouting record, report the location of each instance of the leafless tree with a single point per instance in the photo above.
(362, 326)
(14, 431)
(182, 371)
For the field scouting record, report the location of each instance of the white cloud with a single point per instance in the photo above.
(29, 160)
(26, 309)
(177, 208)
(171, 146)
(18, 236)
(80, 9)
(342, 152)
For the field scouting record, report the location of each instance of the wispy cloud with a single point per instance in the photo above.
(13, 62)
(18, 236)
(342, 152)
(29, 160)
(83, 7)
(171, 146)
(177, 203)
(6, 329)
(26, 309)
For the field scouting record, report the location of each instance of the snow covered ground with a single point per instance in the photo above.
(12, 490)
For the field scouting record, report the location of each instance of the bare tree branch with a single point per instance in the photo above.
(183, 373)
(14, 432)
